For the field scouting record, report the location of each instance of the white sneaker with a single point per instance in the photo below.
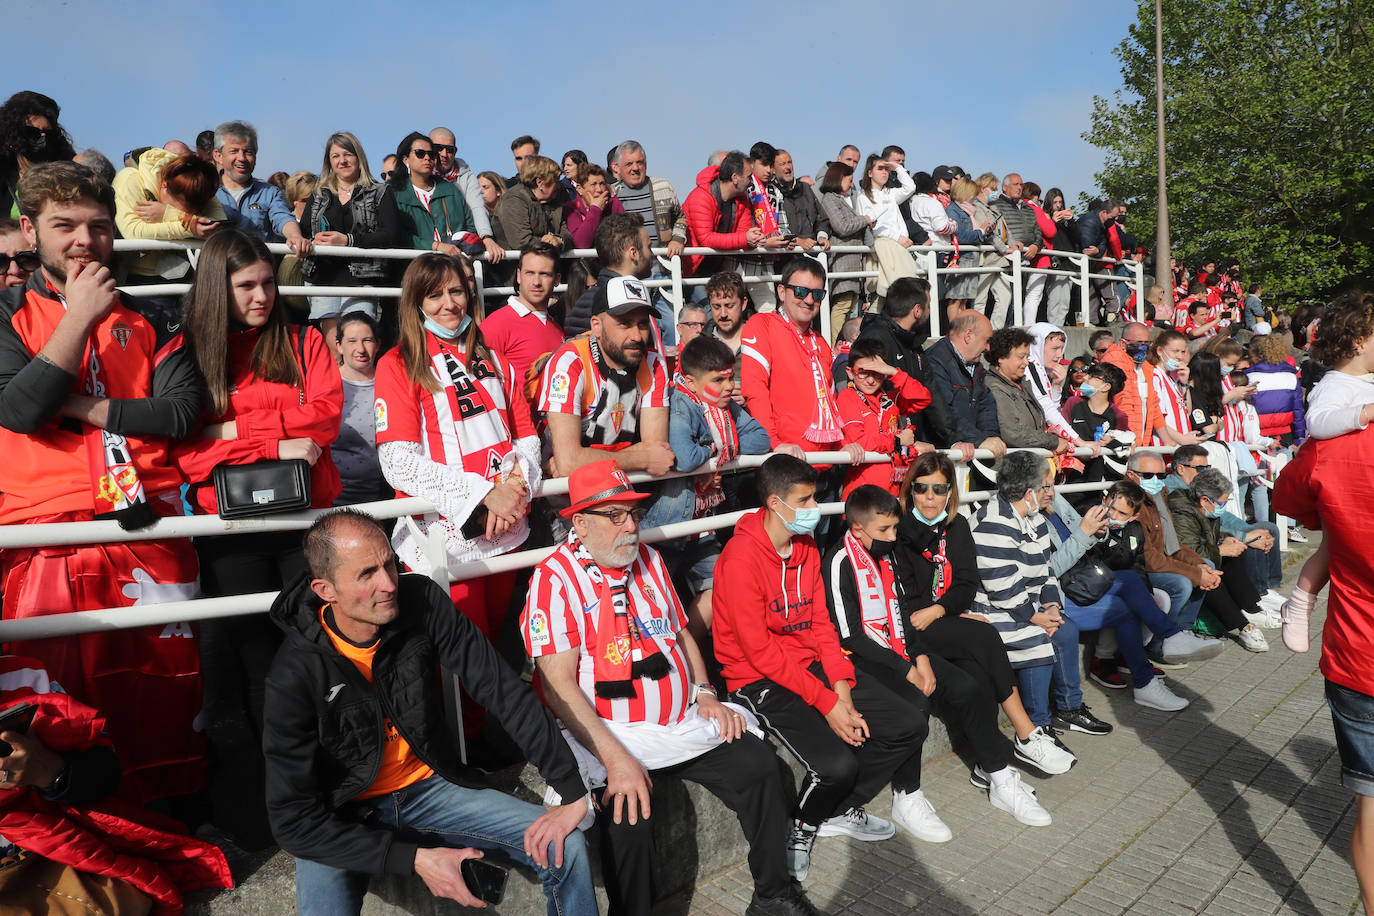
(914, 813)
(799, 843)
(1296, 536)
(1265, 620)
(1156, 696)
(1018, 799)
(857, 823)
(1041, 751)
(1271, 601)
(1187, 646)
(1251, 638)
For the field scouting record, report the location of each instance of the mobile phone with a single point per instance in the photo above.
(476, 525)
(487, 882)
(16, 719)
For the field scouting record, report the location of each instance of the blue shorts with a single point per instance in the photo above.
(693, 566)
(1352, 713)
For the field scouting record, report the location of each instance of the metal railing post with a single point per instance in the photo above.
(1018, 298)
(1083, 282)
(479, 272)
(1138, 268)
(675, 272)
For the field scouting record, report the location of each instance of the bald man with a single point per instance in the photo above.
(456, 171)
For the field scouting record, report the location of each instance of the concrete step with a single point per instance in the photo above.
(695, 837)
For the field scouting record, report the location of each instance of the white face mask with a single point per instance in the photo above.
(1034, 500)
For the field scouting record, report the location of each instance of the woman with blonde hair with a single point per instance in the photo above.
(453, 427)
(530, 210)
(349, 208)
(996, 236)
(969, 231)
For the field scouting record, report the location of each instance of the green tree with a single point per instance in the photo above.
(1270, 128)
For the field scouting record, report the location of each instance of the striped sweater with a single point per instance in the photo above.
(1013, 566)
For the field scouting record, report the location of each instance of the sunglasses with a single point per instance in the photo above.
(445, 148)
(422, 153)
(25, 260)
(1152, 475)
(939, 489)
(801, 292)
(617, 517)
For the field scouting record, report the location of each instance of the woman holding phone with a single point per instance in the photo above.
(454, 428)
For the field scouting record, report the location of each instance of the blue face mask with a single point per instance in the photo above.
(438, 330)
(931, 522)
(1172, 364)
(1087, 390)
(1216, 511)
(992, 195)
(805, 522)
(1152, 485)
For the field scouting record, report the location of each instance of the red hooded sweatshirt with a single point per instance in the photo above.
(704, 217)
(771, 619)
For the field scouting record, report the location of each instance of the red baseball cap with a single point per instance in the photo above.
(599, 482)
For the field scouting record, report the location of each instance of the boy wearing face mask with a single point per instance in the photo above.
(782, 659)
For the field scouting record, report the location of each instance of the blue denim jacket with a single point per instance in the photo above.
(261, 211)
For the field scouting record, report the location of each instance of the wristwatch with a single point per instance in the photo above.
(703, 688)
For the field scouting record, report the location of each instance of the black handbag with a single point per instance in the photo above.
(261, 488)
(265, 487)
(1087, 581)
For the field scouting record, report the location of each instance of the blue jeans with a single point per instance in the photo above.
(1179, 590)
(1061, 675)
(1264, 569)
(1352, 714)
(1127, 605)
(437, 812)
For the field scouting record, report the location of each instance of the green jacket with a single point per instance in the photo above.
(448, 212)
(1195, 530)
(1019, 415)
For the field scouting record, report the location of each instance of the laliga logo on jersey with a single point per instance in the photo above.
(379, 415)
(121, 333)
(558, 387)
(539, 629)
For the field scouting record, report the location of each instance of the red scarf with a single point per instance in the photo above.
(877, 587)
(886, 408)
(944, 570)
(765, 217)
(479, 426)
(622, 653)
(726, 437)
(825, 422)
(115, 485)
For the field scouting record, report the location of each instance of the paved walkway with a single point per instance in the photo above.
(1229, 808)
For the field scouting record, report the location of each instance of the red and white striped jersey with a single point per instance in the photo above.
(561, 613)
(1173, 403)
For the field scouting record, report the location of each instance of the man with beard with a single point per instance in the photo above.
(626, 678)
(607, 391)
(805, 218)
(89, 401)
(456, 171)
(622, 247)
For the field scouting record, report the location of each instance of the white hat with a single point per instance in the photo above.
(1262, 328)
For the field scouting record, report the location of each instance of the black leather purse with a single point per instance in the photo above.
(265, 487)
(261, 488)
(1087, 581)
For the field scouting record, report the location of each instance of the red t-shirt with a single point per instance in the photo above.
(521, 335)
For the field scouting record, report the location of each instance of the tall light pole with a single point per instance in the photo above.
(1163, 276)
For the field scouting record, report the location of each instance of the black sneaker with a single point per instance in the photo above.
(1125, 669)
(791, 902)
(1103, 671)
(1081, 720)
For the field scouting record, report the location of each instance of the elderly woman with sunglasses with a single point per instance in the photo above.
(937, 568)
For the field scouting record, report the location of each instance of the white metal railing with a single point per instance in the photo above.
(77, 622)
(926, 257)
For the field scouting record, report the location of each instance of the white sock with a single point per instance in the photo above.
(1001, 777)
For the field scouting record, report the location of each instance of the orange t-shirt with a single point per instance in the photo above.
(400, 767)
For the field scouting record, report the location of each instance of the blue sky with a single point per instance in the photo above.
(1014, 93)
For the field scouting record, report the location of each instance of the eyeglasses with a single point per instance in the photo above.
(1151, 475)
(25, 260)
(617, 517)
(386, 176)
(422, 153)
(693, 324)
(802, 292)
(939, 489)
(445, 148)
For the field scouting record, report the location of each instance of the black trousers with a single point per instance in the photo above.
(235, 655)
(839, 776)
(744, 775)
(974, 647)
(1235, 595)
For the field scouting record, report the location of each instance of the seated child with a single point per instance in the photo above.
(704, 422)
(876, 416)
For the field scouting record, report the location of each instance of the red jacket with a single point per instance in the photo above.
(266, 413)
(771, 619)
(703, 219)
(110, 838)
(1330, 485)
(1049, 229)
(873, 427)
(776, 378)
